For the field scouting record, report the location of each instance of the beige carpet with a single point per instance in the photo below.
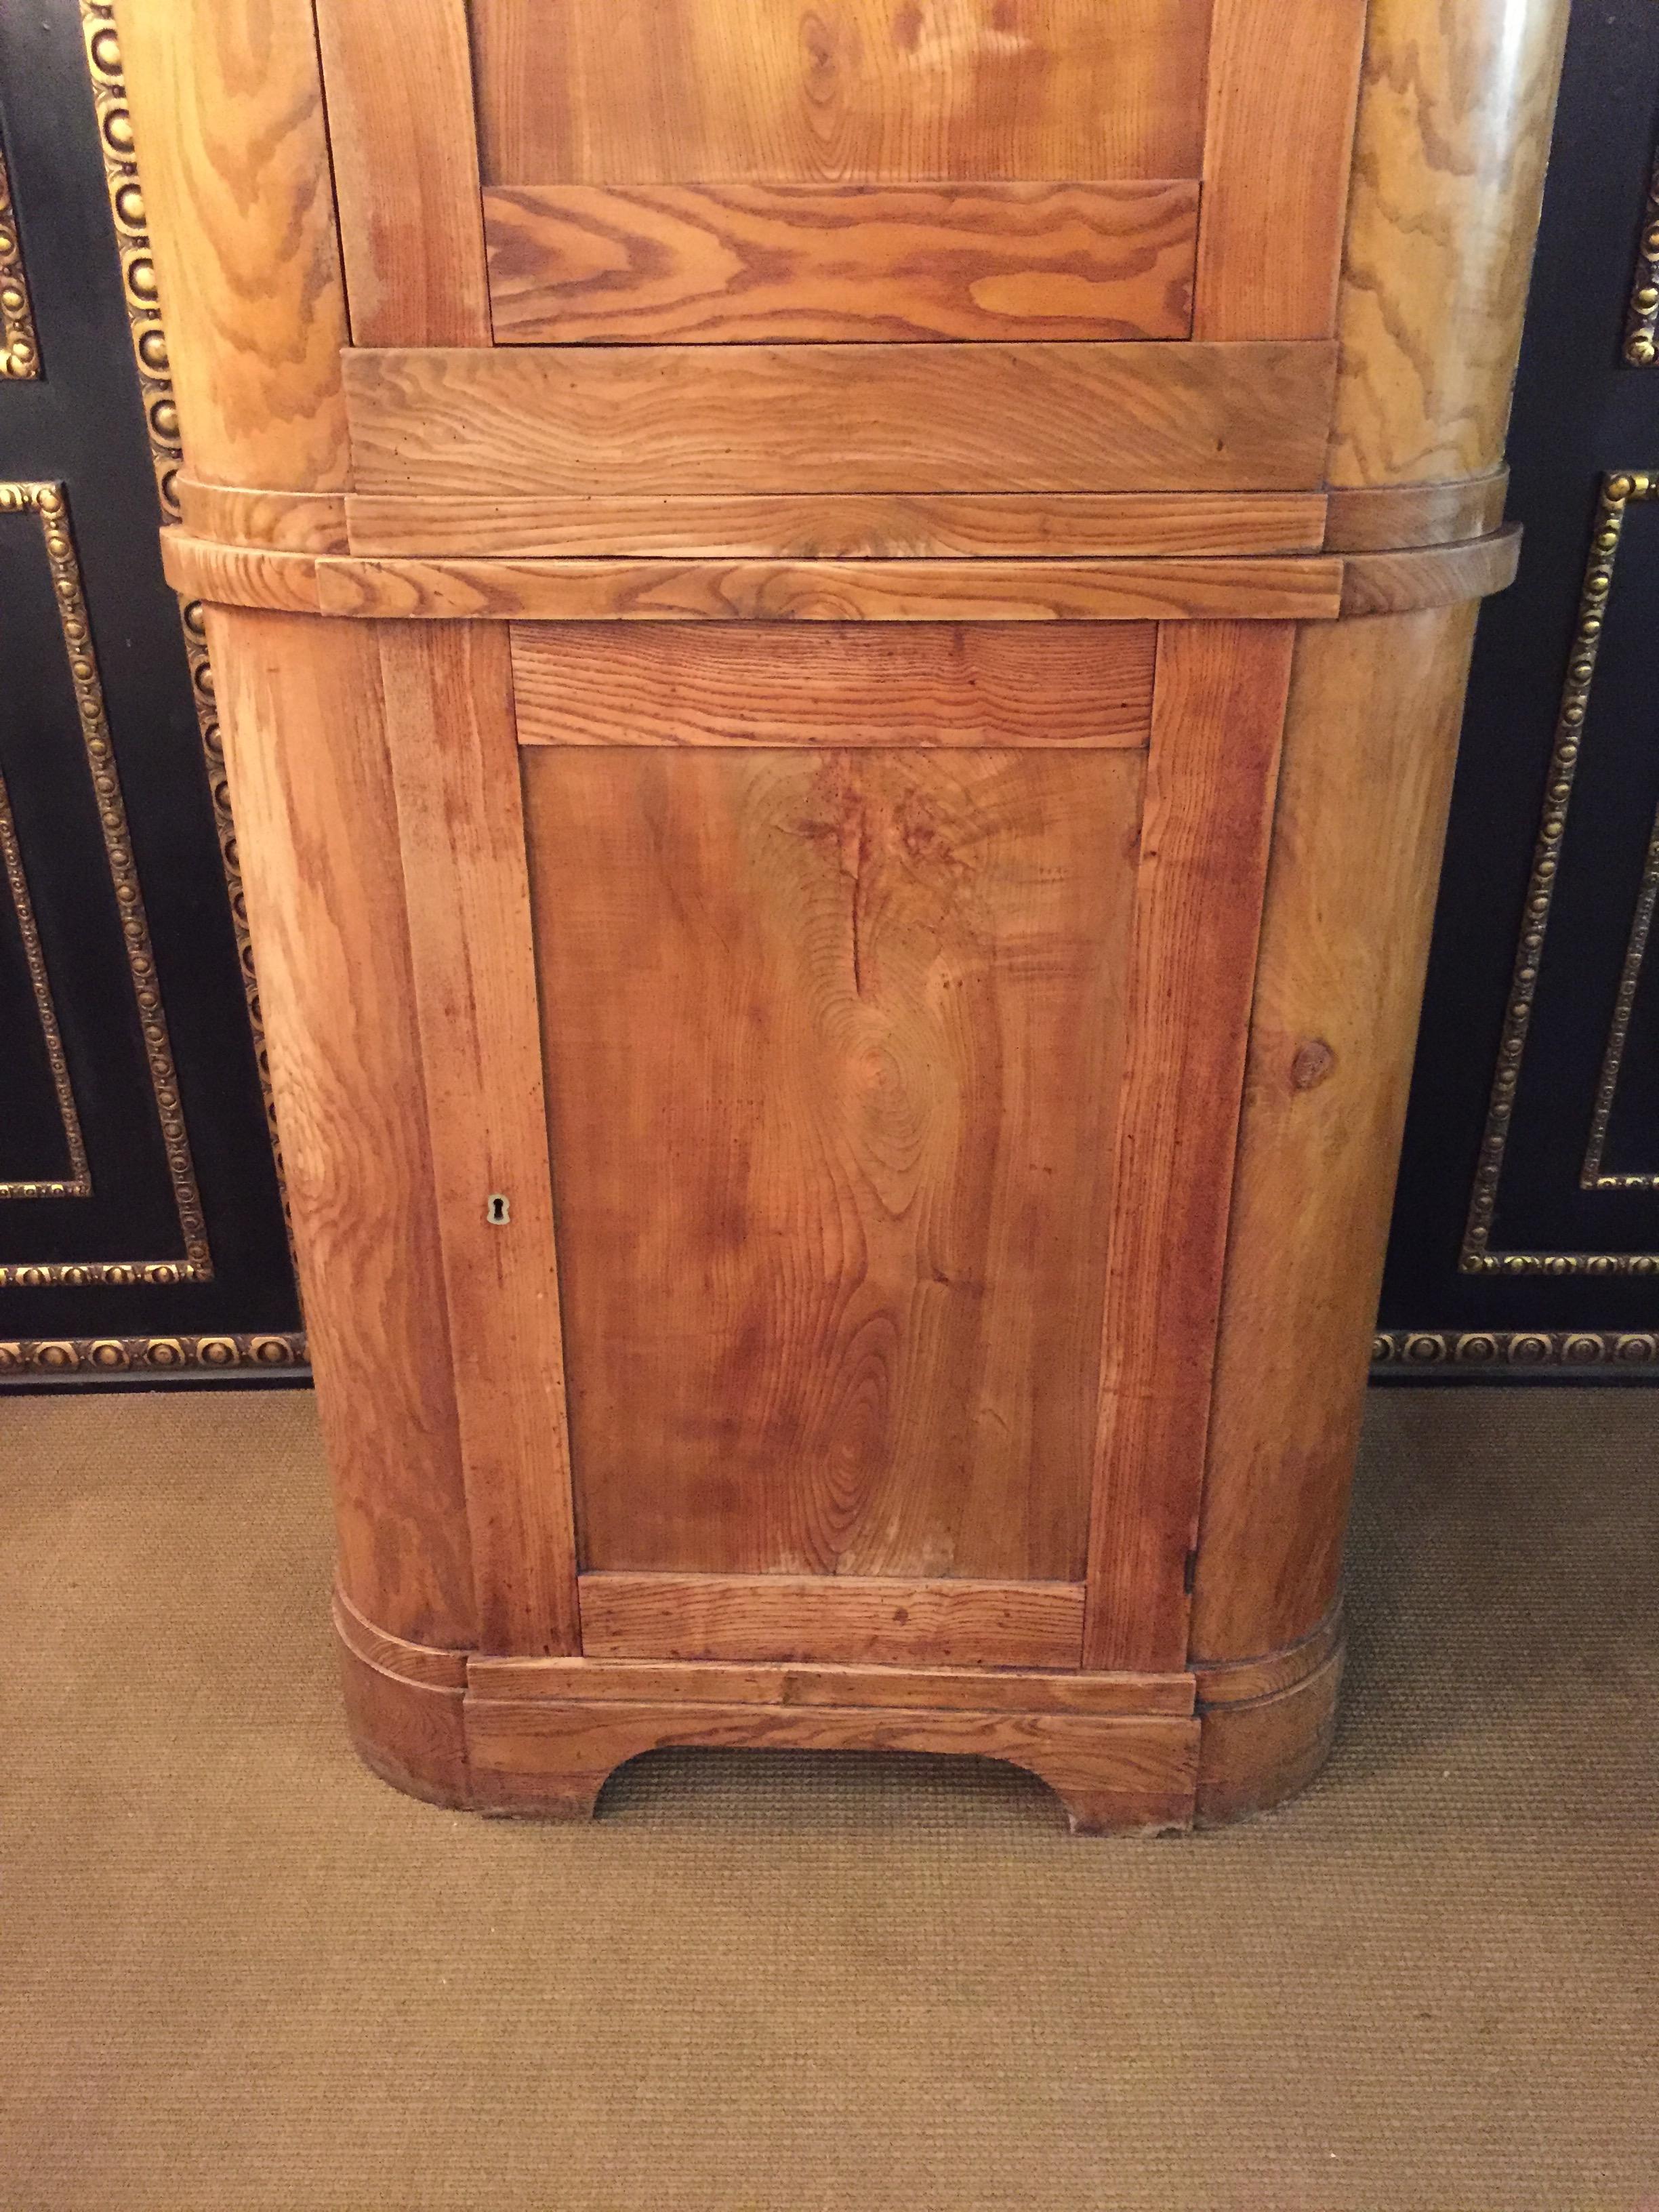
(240, 1974)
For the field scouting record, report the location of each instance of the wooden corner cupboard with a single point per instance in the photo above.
(840, 630)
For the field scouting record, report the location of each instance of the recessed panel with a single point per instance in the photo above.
(724, 264)
(833, 1043)
(650, 92)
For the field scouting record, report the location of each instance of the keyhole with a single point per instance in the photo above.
(497, 1212)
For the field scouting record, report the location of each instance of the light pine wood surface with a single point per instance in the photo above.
(1037, 416)
(766, 684)
(226, 98)
(455, 774)
(1282, 85)
(306, 748)
(720, 263)
(1430, 575)
(642, 92)
(1388, 518)
(1370, 741)
(1453, 135)
(874, 1620)
(962, 1689)
(1202, 857)
(1114, 1775)
(281, 521)
(849, 526)
(833, 1044)
(1182, 590)
(405, 162)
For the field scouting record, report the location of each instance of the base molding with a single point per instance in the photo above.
(1125, 1754)
(1113, 1776)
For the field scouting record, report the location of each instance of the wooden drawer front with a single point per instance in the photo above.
(834, 1043)
(511, 420)
(726, 263)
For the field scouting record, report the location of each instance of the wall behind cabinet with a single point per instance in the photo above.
(1526, 1234)
(141, 1232)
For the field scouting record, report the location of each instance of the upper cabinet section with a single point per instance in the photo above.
(839, 92)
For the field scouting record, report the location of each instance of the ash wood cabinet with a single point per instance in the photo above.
(841, 632)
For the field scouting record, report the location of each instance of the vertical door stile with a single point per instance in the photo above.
(1218, 719)
(460, 814)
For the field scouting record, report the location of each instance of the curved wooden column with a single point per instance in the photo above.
(226, 105)
(1452, 136)
(1455, 102)
(1370, 741)
(305, 744)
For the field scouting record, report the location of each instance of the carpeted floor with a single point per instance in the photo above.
(240, 1974)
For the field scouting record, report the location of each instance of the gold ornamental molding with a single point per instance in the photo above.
(1621, 489)
(1641, 320)
(149, 349)
(20, 349)
(58, 1357)
(1515, 1351)
(48, 504)
(78, 1181)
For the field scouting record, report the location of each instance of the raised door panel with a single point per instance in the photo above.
(834, 1043)
(651, 92)
(727, 263)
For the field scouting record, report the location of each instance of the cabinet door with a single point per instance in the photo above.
(893, 980)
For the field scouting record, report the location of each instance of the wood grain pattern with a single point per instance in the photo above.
(1257, 1755)
(723, 263)
(398, 83)
(631, 92)
(1430, 575)
(428, 1665)
(306, 748)
(280, 521)
(1282, 85)
(412, 1734)
(1454, 111)
(839, 418)
(1243, 1681)
(962, 1689)
(833, 1043)
(239, 575)
(454, 768)
(1113, 1776)
(845, 1620)
(1370, 739)
(737, 683)
(1217, 717)
(873, 526)
(1301, 588)
(1382, 518)
(225, 103)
